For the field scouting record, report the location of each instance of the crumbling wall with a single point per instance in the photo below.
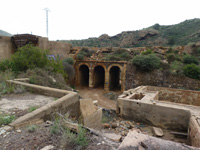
(177, 95)
(157, 115)
(6, 47)
(161, 78)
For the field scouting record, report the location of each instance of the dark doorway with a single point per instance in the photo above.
(84, 75)
(114, 78)
(99, 76)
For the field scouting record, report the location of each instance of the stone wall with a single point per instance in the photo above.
(161, 78)
(55, 48)
(106, 65)
(6, 47)
(177, 95)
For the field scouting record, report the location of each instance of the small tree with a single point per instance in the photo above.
(188, 59)
(69, 60)
(192, 71)
(29, 57)
(146, 62)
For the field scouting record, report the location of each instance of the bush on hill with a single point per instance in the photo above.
(146, 62)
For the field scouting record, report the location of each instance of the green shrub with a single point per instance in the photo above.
(146, 62)
(81, 137)
(6, 65)
(55, 128)
(80, 56)
(176, 67)
(69, 61)
(147, 52)
(171, 57)
(188, 59)
(192, 71)
(6, 119)
(32, 128)
(69, 69)
(6, 87)
(84, 52)
(29, 57)
(118, 55)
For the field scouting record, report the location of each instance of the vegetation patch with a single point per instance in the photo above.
(6, 119)
(118, 55)
(146, 62)
(32, 128)
(32, 108)
(192, 71)
(188, 59)
(84, 52)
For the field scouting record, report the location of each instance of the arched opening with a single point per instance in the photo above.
(99, 76)
(84, 75)
(114, 78)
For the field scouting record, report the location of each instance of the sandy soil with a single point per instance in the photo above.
(11, 102)
(97, 94)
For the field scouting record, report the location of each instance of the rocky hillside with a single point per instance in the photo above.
(179, 34)
(4, 33)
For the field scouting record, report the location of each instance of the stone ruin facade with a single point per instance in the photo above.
(109, 75)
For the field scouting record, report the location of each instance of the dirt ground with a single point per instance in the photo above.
(97, 94)
(22, 139)
(17, 103)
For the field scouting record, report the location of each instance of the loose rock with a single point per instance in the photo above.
(157, 132)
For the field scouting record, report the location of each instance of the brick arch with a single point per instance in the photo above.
(80, 64)
(115, 65)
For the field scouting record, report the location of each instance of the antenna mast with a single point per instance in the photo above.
(47, 11)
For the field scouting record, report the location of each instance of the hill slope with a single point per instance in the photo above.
(178, 34)
(4, 33)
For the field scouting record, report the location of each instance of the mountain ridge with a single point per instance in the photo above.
(183, 33)
(4, 33)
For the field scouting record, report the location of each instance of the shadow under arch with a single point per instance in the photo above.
(99, 77)
(84, 75)
(114, 78)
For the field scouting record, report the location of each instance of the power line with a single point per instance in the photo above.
(47, 28)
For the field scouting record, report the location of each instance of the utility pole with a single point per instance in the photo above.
(47, 11)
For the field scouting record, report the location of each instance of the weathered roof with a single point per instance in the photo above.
(24, 39)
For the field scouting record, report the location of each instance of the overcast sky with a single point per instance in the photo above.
(81, 19)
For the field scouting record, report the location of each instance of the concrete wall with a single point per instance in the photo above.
(149, 109)
(157, 115)
(6, 47)
(55, 48)
(177, 95)
(68, 102)
(194, 131)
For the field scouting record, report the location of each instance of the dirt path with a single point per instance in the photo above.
(97, 94)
